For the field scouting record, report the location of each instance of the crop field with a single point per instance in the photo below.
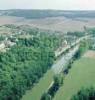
(80, 76)
(62, 24)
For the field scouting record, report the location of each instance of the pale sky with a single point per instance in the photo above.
(48, 4)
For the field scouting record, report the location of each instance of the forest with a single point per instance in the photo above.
(24, 64)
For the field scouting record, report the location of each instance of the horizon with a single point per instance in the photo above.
(48, 4)
(48, 9)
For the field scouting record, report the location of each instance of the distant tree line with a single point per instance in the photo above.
(77, 34)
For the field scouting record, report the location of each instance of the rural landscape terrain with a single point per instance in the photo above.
(47, 55)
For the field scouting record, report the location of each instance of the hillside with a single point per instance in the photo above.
(47, 13)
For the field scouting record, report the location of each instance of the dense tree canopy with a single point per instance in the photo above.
(77, 34)
(23, 65)
(85, 94)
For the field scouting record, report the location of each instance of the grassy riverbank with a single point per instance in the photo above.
(36, 92)
(81, 75)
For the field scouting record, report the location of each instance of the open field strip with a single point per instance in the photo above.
(36, 92)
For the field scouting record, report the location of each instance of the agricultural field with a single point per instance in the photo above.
(80, 76)
(62, 23)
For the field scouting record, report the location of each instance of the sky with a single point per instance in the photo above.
(48, 4)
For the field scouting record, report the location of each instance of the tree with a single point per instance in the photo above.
(46, 96)
(85, 94)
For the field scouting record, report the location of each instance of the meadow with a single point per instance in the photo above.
(80, 76)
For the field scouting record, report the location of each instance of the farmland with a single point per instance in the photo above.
(63, 24)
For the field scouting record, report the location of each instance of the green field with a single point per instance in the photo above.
(82, 74)
(36, 92)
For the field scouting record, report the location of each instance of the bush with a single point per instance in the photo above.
(58, 81)
(45, 96)
(85, 94)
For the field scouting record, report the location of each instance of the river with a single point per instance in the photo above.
(59, 65)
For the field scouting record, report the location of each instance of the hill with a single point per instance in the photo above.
(47, 13)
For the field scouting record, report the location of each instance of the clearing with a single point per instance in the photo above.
(90, 54)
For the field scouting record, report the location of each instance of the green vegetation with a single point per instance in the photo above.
(84, 46)
(27, 64)
(57, 82)
(24, 64)
(91, 31)
(80, 75)
(58, 79)
(77, 34)
(2, 38)
(36, 92)
(11, 26)
(85, 94)
(21, 67)
(46, 96)
(25, 68)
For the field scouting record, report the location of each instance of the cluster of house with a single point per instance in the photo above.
(6, 44)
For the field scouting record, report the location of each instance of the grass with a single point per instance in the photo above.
(36, 92)
(81, 75)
